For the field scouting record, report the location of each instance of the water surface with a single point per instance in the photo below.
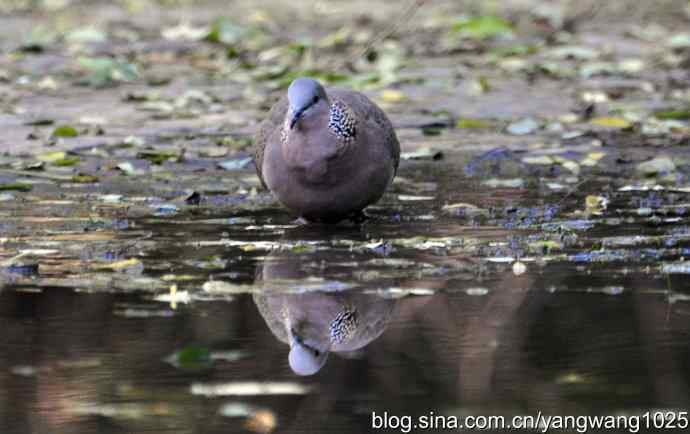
(492, 286)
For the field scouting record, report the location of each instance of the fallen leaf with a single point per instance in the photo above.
(662, 164)
(611, 122)
(236, 164)
(82, 178)
(65, 131)
(392, 96)
(682, 115)
(410, 198)
(249, 388)
(118, 265)
(483, 27)
(424, 153)
(472, 123)
(262, 422)
(523, 127)
(16, 186)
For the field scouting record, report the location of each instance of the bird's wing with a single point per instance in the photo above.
(366, 111)
(267, 130)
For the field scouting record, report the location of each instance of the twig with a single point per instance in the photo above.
(36, 175)
(407, 14)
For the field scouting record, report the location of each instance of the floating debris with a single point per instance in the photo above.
(131, 312)
(130, 265)
(174, 297)
(519, 268)
(24, 370)
(410, 198)
(236, 164)
(504, 183)
(660, 165)
(190, 357)
(523, 127)
(424, 153)
(612, 290)
(478, 291)
(218, 287)
(681, 267)
(249, 388)
(262, 422)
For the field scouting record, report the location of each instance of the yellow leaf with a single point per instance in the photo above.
(546, 244)
(118, 265)
(595, 204)
(572, 166)
(571, 378)
(593, 158)
(393, 96)
(52, 156)
(611, 122)
(543, 160)
(262, 422)
(173, 294)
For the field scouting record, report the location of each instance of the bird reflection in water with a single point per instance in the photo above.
(316, 316)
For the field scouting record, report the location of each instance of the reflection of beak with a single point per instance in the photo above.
(296, 339)
(295, 118)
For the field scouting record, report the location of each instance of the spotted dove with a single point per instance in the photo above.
(326, 153)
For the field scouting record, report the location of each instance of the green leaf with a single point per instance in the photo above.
(66, 162)
(65, 131)
(484, 27)
(514, 50)
(191, 357)
(86, 35)
(678, 115)
(225, 31)
(157, 157)
(84, 178)
(16, 186)
(328, 77)
(472, 123)
(104, 71)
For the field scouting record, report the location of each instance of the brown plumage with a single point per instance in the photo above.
(313, 317)
(326, 154)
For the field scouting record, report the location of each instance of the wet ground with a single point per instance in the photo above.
(532, 254)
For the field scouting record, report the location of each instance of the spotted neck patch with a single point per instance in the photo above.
(343, 326)
(341, 121)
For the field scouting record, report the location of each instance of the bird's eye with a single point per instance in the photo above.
(316, 353)
(316, 99)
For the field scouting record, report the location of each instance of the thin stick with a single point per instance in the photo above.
(388, 31)
(36, 175)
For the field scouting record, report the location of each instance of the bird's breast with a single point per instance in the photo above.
(315, 160)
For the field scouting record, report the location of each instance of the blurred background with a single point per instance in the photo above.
(548, 134)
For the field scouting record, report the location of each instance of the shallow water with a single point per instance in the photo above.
(146, 313)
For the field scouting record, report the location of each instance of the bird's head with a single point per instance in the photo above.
(305, 97)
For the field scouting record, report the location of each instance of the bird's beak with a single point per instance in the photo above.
(295, 117)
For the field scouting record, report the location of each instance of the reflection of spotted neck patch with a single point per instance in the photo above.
(343, 326)
(341, 122)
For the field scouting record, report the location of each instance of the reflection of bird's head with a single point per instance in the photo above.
(307, 356)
